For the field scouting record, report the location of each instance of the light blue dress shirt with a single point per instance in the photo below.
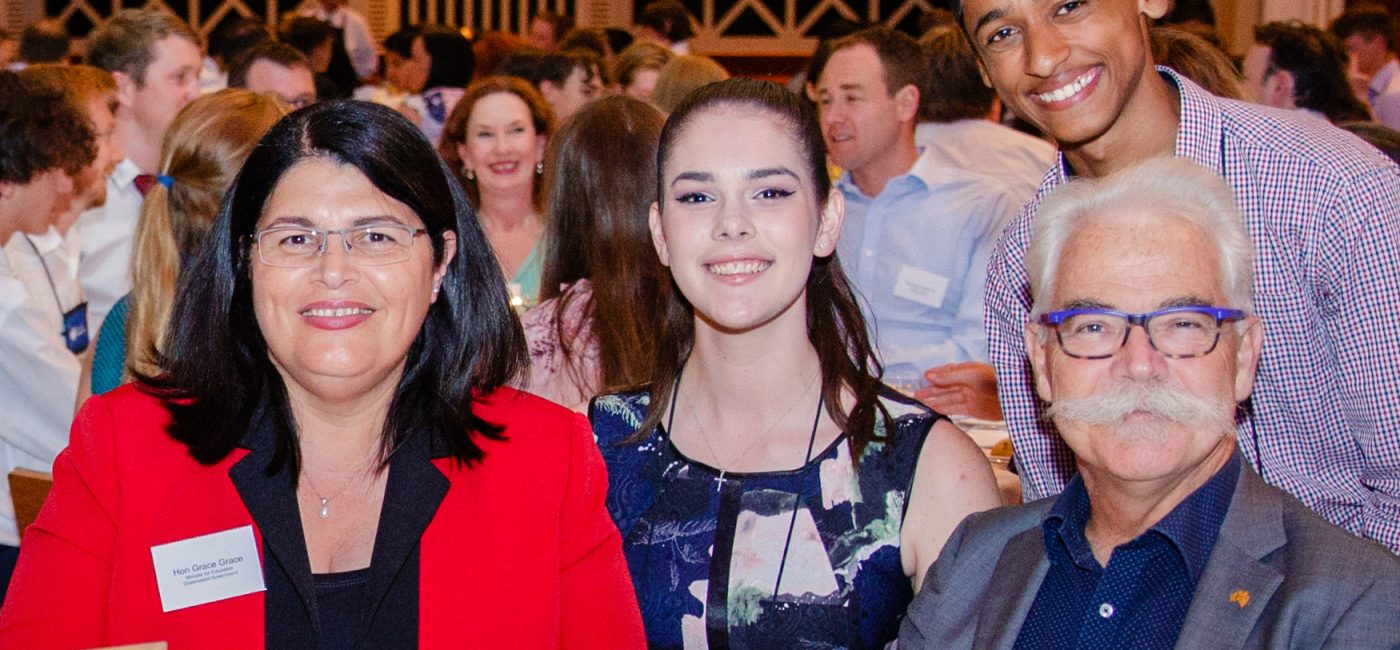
(917, 256)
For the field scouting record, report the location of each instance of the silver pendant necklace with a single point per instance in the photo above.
(325, 511)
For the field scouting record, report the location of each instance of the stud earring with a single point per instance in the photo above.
(471, 175)
(539, 167)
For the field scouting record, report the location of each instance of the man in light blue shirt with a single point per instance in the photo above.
(918, 234)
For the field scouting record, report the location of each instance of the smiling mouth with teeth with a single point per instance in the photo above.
(1068, 90)
(742, 267)
(337, 313)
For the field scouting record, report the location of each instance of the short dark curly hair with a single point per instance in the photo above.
(39, 131)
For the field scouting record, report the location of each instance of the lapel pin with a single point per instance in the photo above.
(1240, 597)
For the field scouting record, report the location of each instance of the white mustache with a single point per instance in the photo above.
(1164, 400)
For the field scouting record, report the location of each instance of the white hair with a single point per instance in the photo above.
(1147, 193)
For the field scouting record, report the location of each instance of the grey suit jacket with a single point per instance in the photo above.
(1279, 577)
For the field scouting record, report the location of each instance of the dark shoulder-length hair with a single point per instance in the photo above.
(601, 170)
(217, 373)
(835, 326)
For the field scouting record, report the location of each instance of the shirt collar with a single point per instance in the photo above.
(1384, 76)
(920, 176)
(124, 174)
(1198, 131)
(1192, 527)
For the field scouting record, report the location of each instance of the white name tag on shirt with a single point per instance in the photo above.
(207, 568)
(921, 286)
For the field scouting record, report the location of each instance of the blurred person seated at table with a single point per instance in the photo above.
(226, 44)
(204, 148)
(637, 69)
(435, 77)
(277, 69)
(492, 49)
(918, 230)
(602, 288)
(1199, 60)
(770, 491)
(547, 29)
(668, 23)
(43, 41)
(1367, 33)
(567, 80)
(1298, 67)
(45, 142)
(1142, 342)
(683, 75)
(352, 56)
(397, 70)
(331, 424)
(315, 39)
(495, 142)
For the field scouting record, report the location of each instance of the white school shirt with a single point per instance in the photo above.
(107, 231)
(38, 386)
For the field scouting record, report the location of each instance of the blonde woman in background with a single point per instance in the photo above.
(202, 152)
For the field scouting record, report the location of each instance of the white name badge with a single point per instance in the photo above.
(921, 286)
(207, 568)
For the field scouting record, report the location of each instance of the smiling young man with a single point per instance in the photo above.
(1143, 343)
(1323, 211)
(154, 57)
(918, 232)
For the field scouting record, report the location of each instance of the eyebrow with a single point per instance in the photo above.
(768, 172)
(995, 14)
(361, 221)
(757, 174)
(699, 177)
(1180, 301)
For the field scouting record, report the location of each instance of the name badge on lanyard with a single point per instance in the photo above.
(75, 329)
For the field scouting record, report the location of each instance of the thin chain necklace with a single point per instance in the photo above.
(721, 465)
(325, 510)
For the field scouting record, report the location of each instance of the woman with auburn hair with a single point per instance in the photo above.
(494, 142)
(330, 458)
(203, 149)
(602, 287)
(770, 491)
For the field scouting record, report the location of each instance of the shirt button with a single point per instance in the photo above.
(1106, 610)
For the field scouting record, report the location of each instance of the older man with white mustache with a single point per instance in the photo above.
(1143, 344)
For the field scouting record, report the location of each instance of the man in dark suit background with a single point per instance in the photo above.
(1142, 342)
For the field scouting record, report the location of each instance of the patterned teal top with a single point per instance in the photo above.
(109, 359)
(708, 556)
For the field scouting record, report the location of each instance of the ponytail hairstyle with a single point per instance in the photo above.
(202, 152)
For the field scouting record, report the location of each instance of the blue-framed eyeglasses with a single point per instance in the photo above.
(1175, 332)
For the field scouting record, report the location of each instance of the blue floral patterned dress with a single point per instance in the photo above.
(708, 556)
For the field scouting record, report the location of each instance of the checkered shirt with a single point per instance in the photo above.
(1323, 210)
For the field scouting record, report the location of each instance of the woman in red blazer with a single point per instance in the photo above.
(330, 459)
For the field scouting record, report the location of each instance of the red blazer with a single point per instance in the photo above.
(521, 552)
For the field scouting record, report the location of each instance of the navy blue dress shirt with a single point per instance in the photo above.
(1140, 599)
